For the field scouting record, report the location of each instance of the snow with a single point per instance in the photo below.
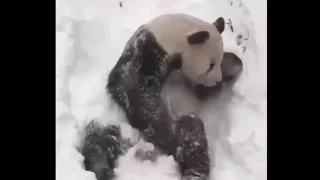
(90, 36)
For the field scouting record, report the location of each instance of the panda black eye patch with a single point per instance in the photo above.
(210, 67)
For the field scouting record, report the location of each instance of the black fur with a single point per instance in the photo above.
(231, 66)
(198, 37)
(192, 148)
(102, 147)
(220, 24)
(135, 84)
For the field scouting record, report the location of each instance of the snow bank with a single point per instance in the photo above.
(90, 37)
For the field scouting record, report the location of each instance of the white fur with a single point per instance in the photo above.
(171, 32)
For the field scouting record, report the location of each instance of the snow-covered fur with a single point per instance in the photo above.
(135, 85)
(192, 148)
(102, 147)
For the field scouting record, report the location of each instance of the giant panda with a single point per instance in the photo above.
(166, 43)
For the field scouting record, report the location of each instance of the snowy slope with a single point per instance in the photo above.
(90, 37)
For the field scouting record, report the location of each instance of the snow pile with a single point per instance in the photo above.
(91, 36)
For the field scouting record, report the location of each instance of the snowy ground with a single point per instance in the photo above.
(90, 36)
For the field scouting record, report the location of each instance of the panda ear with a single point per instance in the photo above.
(231, 65)
(219, 24)
(198, 37)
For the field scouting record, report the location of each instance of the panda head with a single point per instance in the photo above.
(198, 43)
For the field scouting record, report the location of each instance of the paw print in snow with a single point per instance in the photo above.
(240, 40)
(231, 3)
(230, 24)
